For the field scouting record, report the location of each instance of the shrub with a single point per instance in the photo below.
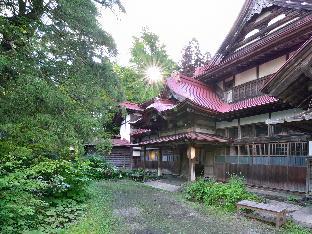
(28, 194)
(140, 175)
(224, 195)
(99, 169)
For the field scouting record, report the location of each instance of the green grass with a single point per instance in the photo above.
(99, 217)
(291, 227)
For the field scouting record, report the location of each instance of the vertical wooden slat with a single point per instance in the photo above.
(144, 158)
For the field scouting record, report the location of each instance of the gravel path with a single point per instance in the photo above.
(143, 209)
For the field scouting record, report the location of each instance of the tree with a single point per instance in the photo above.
(58, 91)
(134, 86)
(147, 51)
(192, 58)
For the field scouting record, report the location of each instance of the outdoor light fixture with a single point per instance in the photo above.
(152, 155)
(191, 152)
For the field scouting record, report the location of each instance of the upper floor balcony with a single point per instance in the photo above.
(244, 91)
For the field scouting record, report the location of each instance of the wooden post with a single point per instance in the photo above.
(191, 158)
(144, 158)
(192, 176)
(239, 130)
(159, 163)
(308, 178)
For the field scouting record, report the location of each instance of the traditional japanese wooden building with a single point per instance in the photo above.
(243, 113)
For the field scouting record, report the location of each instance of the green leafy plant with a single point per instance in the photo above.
(213, 193)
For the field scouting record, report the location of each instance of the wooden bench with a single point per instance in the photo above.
(279, 213)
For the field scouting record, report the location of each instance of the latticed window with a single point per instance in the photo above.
(279, 149)
(298, 148)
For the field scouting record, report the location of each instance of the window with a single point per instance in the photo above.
(233, 132)
(243, 150)
(261, 149)
(279, 129)
(298, 149)
(261, 130)
(279, 149)
(220, 132)
(247, 131)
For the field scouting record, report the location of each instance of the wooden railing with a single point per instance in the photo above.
(290, 160)
(247, 90)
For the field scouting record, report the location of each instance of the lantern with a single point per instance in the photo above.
(191, 152)
(152, 155)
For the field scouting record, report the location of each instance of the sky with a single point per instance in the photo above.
(176, 22)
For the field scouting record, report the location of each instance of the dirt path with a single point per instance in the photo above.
(142, 209)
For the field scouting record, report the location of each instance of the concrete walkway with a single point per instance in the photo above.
(303, 216)
(160, 184)
(299, 214)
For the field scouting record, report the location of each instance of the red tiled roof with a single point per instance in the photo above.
(191, 136)
(139, 131)
(251, 102)
(195, 91)
(120, 142)
(162, 105)
(131, 106)
(186, 88)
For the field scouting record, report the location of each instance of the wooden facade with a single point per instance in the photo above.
(230, 119)
(120, 157)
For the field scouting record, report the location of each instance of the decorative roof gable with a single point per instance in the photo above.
(260, 22)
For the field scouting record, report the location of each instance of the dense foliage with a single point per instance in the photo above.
(224, 195)
(136, 89)
(57, 91)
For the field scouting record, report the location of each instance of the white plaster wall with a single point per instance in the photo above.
(227, 124)
(125, 129)
(246, 76)
(254, 119)
(262, 16)
(271, 66)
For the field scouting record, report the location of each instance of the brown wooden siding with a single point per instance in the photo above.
(120, 157)
(290, 176)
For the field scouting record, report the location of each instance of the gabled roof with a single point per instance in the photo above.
(161, 105)
(131, 106)
(139, 131)
(187, 89)
(120, 142)
(255, 7)
(228, 55)
(291, 82)
(189, 136)
(197, 92)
